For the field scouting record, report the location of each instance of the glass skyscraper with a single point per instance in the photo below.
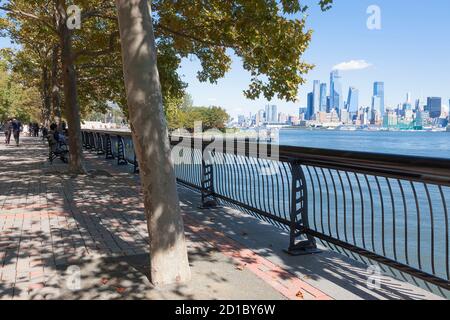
(310, 108)
(274, 114)
(316, 93)
(323, 97)
(271, 114)
(378, 91)
(335, 90)
(376, 108)
(434, 107)
(353, 100)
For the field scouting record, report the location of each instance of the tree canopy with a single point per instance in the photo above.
(17, 100)
(269, 36)
(80, 71)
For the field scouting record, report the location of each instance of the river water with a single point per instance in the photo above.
(419, 143)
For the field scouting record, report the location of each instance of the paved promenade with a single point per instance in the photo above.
(85, 237)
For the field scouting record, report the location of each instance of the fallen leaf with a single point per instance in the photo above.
(120, 290)
(299, 295)
(104, 281)
(240, 267)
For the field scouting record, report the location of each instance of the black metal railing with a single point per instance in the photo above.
(387, 208)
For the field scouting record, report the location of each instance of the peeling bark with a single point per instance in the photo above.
(168, 253)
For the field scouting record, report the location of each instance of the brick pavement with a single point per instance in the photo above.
(50, 221)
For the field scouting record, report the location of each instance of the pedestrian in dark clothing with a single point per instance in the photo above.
(16, 129)
(8, 131)
(44, 131)
(36, 130)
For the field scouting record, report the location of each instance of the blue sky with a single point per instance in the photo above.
(410, 54)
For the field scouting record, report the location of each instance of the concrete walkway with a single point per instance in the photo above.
(85, 237)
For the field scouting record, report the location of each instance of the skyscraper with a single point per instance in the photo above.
(316, 93)
(274, 114)
(376, 109)
(335, 90)
(323, 97)
(408, 98)
(271, 114)
(310, 108)
(434, 106)
(378, 91)
(353, 100)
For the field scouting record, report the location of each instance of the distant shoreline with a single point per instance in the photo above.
(364, 130)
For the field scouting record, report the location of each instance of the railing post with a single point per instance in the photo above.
(108, 152)
(300, 242)
(91, 141)
(100, 150)
(88, 140)
(121, 151)
(208, 198)
(136, 165)
(83, 138)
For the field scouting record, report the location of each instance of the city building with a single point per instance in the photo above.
(310, 108)
(316, 94)
(353, 100)
(274, 114)
(336, 97)
(434, 107)
(390, 119)
(293, 120)
(241, 121)
(282, 118)
(323, 97)
(259, 118)
(375, 111)
(378, 91)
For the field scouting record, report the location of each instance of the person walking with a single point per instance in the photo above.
(16, 129)
(36, 130)
(8, 131)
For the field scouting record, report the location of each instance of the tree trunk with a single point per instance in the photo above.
(71, 106)
(56, 96)
(46, 98)
(168, 253)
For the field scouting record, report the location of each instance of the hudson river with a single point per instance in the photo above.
(420, 143)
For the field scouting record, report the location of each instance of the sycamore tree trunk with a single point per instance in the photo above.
(56, 96)
(46, 96)
(71, 106)
(168, 253)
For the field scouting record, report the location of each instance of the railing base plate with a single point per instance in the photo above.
(209, 205)
(302, 252)
(303, 248)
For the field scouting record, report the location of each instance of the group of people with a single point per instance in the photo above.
(32, 129)
(12, 127)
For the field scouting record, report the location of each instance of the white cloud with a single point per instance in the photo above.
(352, 65)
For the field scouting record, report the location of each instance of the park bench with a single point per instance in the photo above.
(57, 150)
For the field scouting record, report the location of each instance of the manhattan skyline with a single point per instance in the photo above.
(396, 55)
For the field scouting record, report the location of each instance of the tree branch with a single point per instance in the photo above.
(97, 53)
(188, 36)
(28, 15)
